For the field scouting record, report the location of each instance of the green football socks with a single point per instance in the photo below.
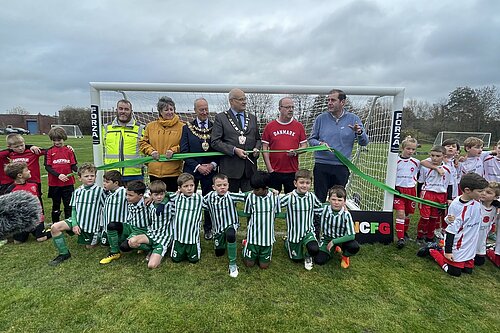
(60, 244)
(114, 247)
(231, 253)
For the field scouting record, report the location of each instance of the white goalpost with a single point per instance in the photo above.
(461, 136)
(380, 109)
(72, 131)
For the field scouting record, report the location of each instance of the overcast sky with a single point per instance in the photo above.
(51, 50)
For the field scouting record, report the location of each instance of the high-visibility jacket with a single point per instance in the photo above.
(121, 143)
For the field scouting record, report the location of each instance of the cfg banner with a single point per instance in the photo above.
(373, 227)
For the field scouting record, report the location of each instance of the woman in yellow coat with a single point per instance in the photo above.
(163, 136)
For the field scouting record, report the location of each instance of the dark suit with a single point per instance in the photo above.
(225, 139)
(190, 143)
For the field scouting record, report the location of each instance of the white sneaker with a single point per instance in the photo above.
(233, 271)
(308, 263)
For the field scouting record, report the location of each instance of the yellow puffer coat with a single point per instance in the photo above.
(161, 135)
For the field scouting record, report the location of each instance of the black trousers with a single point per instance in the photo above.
(206, 187)
(326, 176)
(282, 180)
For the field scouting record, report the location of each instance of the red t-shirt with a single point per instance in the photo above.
(31, 159)
(28, 187)
(284, 136)
(60, 159)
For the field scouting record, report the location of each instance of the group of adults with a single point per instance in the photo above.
(236, 134)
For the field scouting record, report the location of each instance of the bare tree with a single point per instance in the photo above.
(18, 110)
(262, 106)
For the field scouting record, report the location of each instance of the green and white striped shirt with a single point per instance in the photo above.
(336, 224)
(222, 209)
(160, 229)
(88, 202)
(262, 212)
(300, 210)
(186, 212)
(138, 215)
(115, 207)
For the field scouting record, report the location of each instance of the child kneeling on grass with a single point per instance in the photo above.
(159, 233)
(301, 207)
(337, 228)
(19, 172)
(464, 218)
(87, 202)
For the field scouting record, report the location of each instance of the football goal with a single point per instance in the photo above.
(73, 131)
(461, 136)
(378, 107)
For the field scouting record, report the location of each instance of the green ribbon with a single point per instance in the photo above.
(341, 158)
(183, 156)
(383, 186)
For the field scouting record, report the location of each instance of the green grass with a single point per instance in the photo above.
(384, 290)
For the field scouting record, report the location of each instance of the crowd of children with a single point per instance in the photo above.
(134, 217)
(455, 237)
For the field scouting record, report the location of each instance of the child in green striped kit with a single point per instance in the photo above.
(87, 202)
(262, 206)
(186, 207)
(222, 207)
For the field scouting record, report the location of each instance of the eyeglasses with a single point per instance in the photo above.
(242, 99)
(288, 107)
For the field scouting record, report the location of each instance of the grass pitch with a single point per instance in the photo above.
(384, 290)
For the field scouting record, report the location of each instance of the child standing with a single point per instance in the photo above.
(262, 206)
(474, 161)
(60, 161)
(19, 153)
(87, 202)
(338, 230)
(301, 206)
(159, 234)
(114, 213)
(488, 217)
(221, 205)
(436, 188)
(186, 213)
(462, 232)
(20, 174)
(492, 165)
(406, 181)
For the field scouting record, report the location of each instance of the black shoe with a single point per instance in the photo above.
(208, 235)
(424, 250)
(401, 243)
(59, 259)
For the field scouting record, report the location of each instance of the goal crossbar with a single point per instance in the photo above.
(397, 94)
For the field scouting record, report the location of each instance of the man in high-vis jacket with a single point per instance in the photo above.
(121, 141)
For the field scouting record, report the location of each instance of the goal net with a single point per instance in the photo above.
(375, 106)
(72, 131)
(461, 136)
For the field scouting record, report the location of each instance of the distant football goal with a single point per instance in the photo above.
(73, 131)
(461, 136)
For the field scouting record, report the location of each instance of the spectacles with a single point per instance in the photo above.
(288, 107)
(242, 99)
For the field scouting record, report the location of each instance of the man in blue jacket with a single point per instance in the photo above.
(338, 129)
(196, 138)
